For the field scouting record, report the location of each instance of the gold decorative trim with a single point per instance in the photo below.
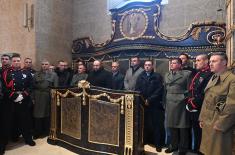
(228, 2)
(85, 85)
(128, 150)
(132, 12)
(53, 127)
(196, 33)
(187, 34)
(90, 127)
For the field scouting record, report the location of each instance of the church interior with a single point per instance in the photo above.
(108, 30)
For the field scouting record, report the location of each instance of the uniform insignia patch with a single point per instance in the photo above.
(201, 79)
(24, 75)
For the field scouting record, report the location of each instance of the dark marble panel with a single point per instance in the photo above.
(71, 117)
(104, 122)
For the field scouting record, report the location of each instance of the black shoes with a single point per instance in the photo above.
(170, 150)
(197, 152)
(158, 149)
(2, 150)
(30, 143)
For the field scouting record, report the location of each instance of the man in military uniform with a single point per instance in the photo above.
(217, 117)
(6, 61)
(196, 96)
(43, 80)
(177, 120)
(28, 65)
(150, 85)
(17, 87)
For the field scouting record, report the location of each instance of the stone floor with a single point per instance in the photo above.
(43, 148)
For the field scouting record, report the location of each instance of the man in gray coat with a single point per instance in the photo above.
(176, 82)
(80, 75)
(132, 74)
(43, 80)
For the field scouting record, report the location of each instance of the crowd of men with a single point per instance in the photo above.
(187, 110)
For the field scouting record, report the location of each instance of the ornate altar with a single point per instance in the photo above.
(135, 32)
(92, 120)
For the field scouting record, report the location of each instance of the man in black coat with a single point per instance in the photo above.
(150, 85)
(118, 78)
(99, 76)
(64, 75)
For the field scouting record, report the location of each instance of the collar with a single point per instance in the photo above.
(224, 75)
(205, 69)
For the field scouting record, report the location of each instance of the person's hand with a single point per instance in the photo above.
(146, 103)
(19, 98)
(215, 127)
(201, 124)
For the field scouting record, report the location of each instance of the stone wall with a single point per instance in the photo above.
(54, 30)
(177, 16)
(90, 18)
(14, 37)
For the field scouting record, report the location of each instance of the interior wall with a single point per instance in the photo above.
(90, 18)
(54, 30)
(14, 37)
(177, 16)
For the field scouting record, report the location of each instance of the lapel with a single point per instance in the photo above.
(217, 80)
(173, 78)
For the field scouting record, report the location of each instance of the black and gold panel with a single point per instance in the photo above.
(104, 122)
(71, 117)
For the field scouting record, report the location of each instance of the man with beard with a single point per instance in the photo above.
(64, 76)
(150, 85)
(99, 76)
(196, 96)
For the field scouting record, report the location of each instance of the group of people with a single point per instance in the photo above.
(186, 110)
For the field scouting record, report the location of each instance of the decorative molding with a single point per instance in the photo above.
(85, 85)
(128, 150)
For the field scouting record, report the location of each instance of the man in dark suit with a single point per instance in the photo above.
(118, 78)
(196, 96)
(150, 85)
(99, 76)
